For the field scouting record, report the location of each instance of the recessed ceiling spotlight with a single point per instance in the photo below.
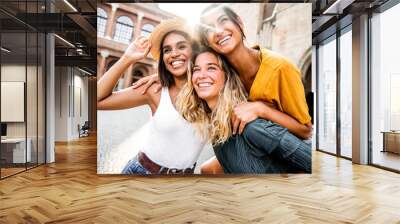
(84, 71)
(70, 5)
(64, 40)
(5, 50)
(338, 6)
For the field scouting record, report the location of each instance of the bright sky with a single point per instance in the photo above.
(189, 11)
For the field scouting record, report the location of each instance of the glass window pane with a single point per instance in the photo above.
(327, 97)
(31, 98)
(385, 84)
(346, 94)
(123, 30)
(13, 86)
(147, 29)
(101, 22)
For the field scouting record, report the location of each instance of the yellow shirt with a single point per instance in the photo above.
(279, 82)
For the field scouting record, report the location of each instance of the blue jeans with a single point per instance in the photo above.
(264, 147)
(134, 167)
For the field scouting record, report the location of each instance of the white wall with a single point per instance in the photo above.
(61, 103)
(81, 82)
(251, 16)
(33, 126)
(17, 73)
(14, 73)
(70, 83)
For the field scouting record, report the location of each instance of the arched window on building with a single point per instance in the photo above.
(123, 30)
(147, 29)
(101, 22)
(139, 72)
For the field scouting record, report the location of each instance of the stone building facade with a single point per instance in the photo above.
(117, 25)
(284, 28)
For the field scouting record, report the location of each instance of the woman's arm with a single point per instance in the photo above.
(303, 131)
(249, 111)
(124, 99)
(129, 97)
(211, 166)
(107, 82)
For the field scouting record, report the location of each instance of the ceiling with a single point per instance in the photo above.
(72, 20)
(332, 15)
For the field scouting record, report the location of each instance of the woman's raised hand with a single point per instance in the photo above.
(138, 49)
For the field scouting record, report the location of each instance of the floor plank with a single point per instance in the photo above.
(70, 191)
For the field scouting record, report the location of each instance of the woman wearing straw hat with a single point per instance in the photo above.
(174, 146)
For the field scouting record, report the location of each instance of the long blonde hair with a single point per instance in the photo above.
(214, 125)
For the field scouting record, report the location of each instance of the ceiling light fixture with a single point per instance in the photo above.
(5, 49)
(338, 6)
(64, 40)
(86, 72)
(79, 51)
(70, 5)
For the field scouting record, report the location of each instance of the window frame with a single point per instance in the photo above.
(101, 17)
(120, 31)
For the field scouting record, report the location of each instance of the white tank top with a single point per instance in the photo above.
(171, 140)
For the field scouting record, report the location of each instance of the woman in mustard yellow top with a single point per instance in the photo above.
(274, 85)
(270, 79)
(207, 99)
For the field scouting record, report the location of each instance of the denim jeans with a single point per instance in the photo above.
(134, 167)
(264, 147)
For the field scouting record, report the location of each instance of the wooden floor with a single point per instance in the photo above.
(387, 159)
(10, 171)
(70, 191)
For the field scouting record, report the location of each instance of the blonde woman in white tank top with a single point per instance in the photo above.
(172, 145)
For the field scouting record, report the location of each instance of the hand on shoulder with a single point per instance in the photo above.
(148, 81)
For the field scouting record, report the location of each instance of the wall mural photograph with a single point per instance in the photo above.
(215, 89)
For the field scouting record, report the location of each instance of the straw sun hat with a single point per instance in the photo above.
(163, 28)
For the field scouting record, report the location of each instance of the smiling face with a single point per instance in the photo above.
(221, 32)
(208, 78)
(176, 52)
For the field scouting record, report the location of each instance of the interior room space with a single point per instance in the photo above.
(358, 83)
(22, 98)
(48, 83)
(50, 170)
